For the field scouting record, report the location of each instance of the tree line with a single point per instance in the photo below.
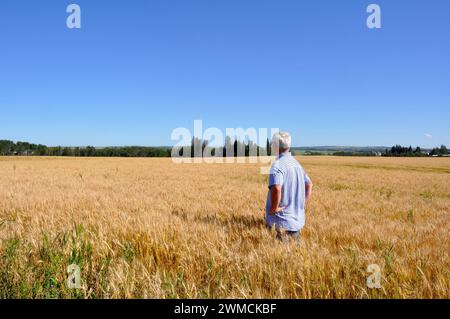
(197, 148)
(28, 149)
(401, 151)
(231, 148)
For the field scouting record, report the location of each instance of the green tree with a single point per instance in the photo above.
(268, 147)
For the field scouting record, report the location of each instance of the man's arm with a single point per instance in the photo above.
(308, 191)
(275, 196)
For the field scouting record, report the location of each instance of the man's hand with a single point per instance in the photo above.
(277, 210)
(275, 196)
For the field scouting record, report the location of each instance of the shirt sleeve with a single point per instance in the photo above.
(275, 177)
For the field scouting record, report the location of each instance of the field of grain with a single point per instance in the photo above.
(148, 228)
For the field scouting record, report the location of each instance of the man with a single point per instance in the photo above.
(289, 190)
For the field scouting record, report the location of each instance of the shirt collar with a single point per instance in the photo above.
(284, 154)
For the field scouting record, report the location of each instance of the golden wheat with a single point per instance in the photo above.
(148, 228)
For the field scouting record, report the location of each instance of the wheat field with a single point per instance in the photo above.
(148, 228)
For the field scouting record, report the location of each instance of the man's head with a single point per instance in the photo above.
(281, 142)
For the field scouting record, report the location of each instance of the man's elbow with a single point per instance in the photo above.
(308, 188)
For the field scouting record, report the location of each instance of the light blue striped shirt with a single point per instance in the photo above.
(289, 174)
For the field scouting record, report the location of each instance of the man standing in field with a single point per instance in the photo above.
(289, 190)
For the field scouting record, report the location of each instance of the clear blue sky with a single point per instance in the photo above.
(138, 69)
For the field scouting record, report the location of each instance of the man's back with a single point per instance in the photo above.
(289, 174)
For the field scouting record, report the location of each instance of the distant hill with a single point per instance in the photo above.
(333, 149)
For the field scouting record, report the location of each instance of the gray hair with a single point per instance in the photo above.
(283, 139)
